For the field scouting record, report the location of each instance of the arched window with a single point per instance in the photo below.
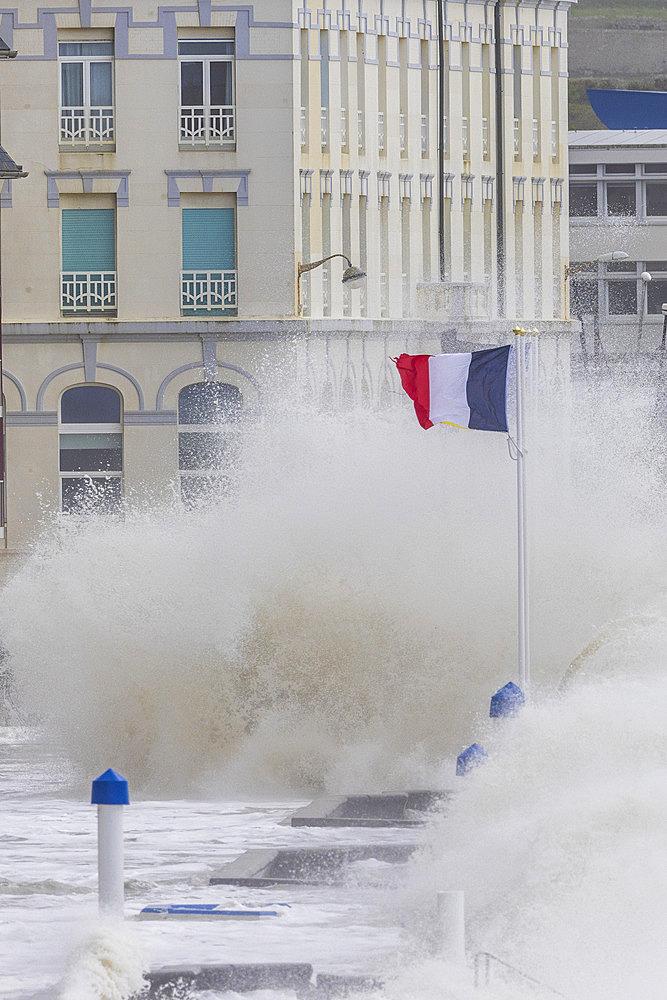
(207, 415)
(91, 449)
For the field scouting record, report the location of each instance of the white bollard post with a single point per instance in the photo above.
(451, 927)
(110, 793)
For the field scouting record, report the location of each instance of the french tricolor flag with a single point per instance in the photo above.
(467, 390)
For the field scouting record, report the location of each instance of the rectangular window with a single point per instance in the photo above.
(622, 298)
(207, 115)
(88, 277)
(584, 298)
(656, 294)
(86, 94)
(208, 278)
(656, 198)
(583, 200)
(621, 200)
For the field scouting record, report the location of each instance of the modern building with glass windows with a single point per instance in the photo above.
(185, 166)
(618, 201)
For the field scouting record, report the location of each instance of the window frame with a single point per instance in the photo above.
(71, 428)
(226, 429)
(91, 138)
(205, 134)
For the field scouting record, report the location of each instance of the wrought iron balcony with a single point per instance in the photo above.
(87, 126)
(203, 127)
(88, 291)
(208, 292)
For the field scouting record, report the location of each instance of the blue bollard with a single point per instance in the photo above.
(509, 700)
(110, 793)
(471, 757)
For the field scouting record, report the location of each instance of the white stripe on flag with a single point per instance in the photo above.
(447, 381)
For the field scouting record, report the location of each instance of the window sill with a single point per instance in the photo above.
(219, 147)
(82, 313)
(90, 147)
(208, 313)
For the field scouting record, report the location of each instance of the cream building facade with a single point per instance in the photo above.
(183, 161)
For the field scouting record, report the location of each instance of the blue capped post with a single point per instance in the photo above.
(110, 793)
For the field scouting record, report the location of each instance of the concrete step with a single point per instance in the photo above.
(388, 809)
(305, 866)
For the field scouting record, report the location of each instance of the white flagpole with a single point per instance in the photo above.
(522, 532)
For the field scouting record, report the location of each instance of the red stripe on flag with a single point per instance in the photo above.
(413, 369)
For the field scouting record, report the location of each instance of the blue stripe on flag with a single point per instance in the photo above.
(486, 389)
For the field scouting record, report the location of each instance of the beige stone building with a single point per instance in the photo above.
(183, 161)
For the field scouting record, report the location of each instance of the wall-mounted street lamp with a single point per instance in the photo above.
(605, 258)
(353, 277)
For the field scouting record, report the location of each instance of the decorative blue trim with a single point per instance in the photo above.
(149, 418)
(85, 10)
(68, 368)
(6, 193)
(207, 177)
(47, 382)
(209, 353)
(130, 378)
(197, 364)
(46, 21)
(21, 391)
(47, 418)
(89, 358)
(87, 178)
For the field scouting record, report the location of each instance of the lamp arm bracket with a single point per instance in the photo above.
(302, 268)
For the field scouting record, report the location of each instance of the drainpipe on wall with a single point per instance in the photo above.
(441, 141)
(500, 161)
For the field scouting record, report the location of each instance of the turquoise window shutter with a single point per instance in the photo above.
(209, 242)
(89, 239)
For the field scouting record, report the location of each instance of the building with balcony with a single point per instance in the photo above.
(618, 201)
(184, 161)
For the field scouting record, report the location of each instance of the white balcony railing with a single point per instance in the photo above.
(517, 137)
(424, 135)
(361, 131)
(344, 130)
(554, 140)
(88, 291)
(465, 136)
(382, 136)
(208, 291)
(485, 137)
(304, 127)
(202, 127)
(324, 127)
(402, 133)
(86, 126)
(536, 137)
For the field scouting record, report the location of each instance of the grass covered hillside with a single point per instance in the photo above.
(615, 44)
(619, 11)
